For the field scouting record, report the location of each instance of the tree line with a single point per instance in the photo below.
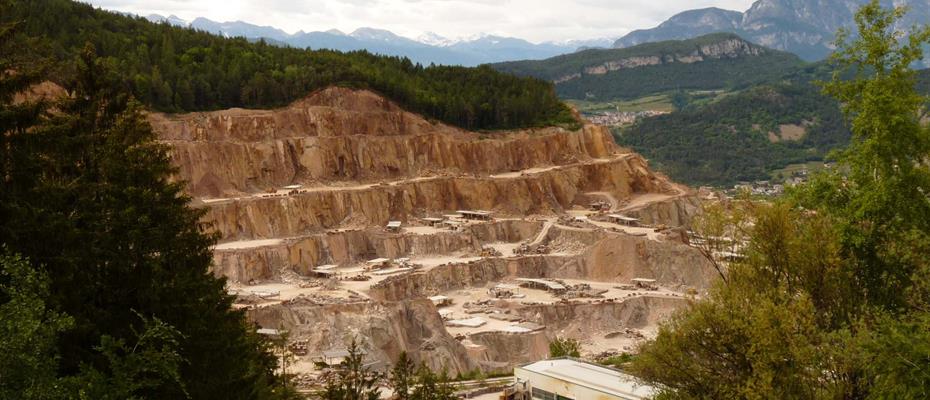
(175, 69)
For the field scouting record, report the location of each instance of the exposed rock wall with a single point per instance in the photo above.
(384, 330)
(540, 193)
(346, 247)
(501, 351)
(578, 320)
(314, 140)
(612, 258)
(676, 211)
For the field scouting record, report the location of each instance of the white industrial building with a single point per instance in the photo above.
(572, 379)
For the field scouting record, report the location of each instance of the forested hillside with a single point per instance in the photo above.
(740, 137)
(177, 69)
(716, 61)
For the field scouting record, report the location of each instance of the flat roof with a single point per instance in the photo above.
(393, 224)
(379, 260)
(644, 280)
(268, 331)
(593, 376)
(623, 217)
(289, 187)
(326, 267)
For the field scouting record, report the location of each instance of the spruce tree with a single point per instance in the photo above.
(89, 195)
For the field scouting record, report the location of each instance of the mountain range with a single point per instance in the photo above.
(426, 49)
(710, 62)
(804, 27)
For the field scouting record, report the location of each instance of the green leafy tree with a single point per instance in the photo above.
(354, 380)
(564, 347)
(831, 300)
(432, 386)
(28, 333)
(403, 377)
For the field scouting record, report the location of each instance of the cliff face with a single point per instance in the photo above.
(729, 48)
(341, 135)
(300, 254)
(314, 183)
(383, 330)
(607, 258)
(546, 192)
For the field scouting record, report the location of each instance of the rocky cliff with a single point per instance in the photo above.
(314, 183)
(340, 135)
(804, 27)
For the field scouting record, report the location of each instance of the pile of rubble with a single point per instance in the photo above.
(580, 291)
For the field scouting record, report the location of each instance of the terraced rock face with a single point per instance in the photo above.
(314, 184)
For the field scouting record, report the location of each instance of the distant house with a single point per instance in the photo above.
(393, 226)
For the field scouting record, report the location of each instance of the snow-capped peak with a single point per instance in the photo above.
(435, 39)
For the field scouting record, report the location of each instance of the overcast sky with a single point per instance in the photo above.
(534, 20)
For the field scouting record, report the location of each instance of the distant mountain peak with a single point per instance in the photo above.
(804, 27)
(374, 34)
(435, 39)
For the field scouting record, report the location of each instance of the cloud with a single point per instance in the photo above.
(535, 20)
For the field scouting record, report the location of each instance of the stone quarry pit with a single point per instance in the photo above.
(345, 217)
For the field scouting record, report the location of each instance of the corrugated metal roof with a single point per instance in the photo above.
(593, 376)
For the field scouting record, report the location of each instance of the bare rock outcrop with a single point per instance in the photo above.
(343, 135)
(384, 330)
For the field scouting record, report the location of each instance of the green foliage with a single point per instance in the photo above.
(728, 141)
(355, 381)
(564, 347)
(419, 383)
(148, 364)
(833, 297)
(175, 69)
(28, 333)
(86, 195)
(629, 83)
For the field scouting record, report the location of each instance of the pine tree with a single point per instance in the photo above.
(89, 196)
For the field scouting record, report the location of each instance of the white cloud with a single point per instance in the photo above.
(535, 20)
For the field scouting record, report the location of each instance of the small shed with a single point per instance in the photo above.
(393, 226)
(378, 263)
(475, 215)
(440, 301)
(623, 220)
(335, 357)
(644, 283)
(432, 221)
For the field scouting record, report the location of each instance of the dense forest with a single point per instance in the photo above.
(728, 141)
(176, 69)
(725, 72)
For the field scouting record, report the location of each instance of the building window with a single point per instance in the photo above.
(542, 394)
